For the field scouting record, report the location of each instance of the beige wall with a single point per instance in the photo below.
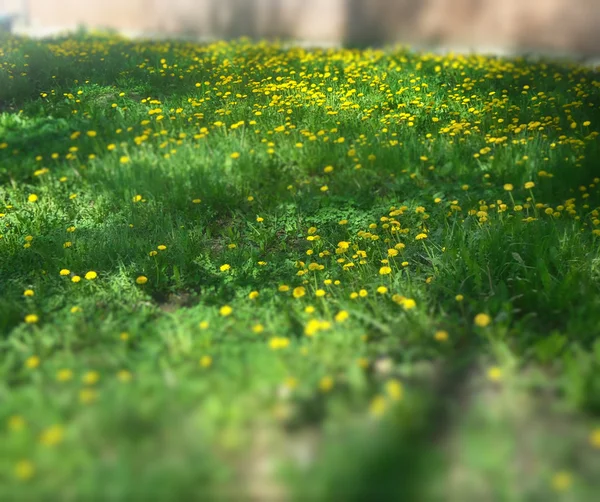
(565, 25)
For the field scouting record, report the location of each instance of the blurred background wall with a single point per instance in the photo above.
(548, 25)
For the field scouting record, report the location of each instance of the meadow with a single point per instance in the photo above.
(252, 271)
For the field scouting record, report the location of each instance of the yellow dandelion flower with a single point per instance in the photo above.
(124, 376)
(225, 310)
(494, 374)
(529, 185)
(225, 267)
(52, 436)
(561, 481)
(205, 361)
(75, 278)
(326, 384)
(342, 316)
(253, 295)
(394, 389)
(32, 198)
(65, 271)
(595, 438)
(24, 470)
(64, 375)
(142, 279)
(378, 406)
(31, 318)
(91, 275)
(482, 320)
(441, 336)
(385, 270)
(28, 292)
(32, 362)
(299, 292)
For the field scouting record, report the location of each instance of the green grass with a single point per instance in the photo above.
(363, 195)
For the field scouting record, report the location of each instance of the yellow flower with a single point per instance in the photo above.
(459, 298)
(299, 292)
(320, 293)
(203, 325)
(595, 438)
(75, 278)
(482, 320)
(137, 198)
(205, 361)
(494, 374)
(259, 219)
(382, 290)
(258, 328)
(277, 343)
(75, 309)
(529, 184)
(124, 376)
(283, 288)
(196, 201)
(225, 310)
(562, 481)
(161, 247)
(31, 318)
(326, 384)
(92, 134)
(124, 159)
(87, 396)
(378, 406)
(65, 271)
(342, 315)
(91, 275)
(32, 198)
(253, 295)
(32, 362)
(421, 237)
(441, 336)
(392, 252)
(394, 389)
(385, 270)
(16, 423)
(24, 470)
(52, 435)
(409, 303)
(64, 375)
(235, 155)
(508, 187)
(142, 279)
(91, 378)
(28, 292)
(153, 253)
(225, 267)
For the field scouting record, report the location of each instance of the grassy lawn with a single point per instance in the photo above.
(244, 271)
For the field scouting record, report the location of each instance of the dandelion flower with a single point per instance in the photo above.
(225, 310)
(142, 279)
(482, 320)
